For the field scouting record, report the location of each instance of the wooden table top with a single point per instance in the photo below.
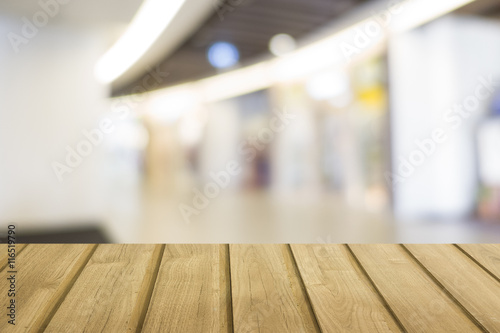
(253, 288)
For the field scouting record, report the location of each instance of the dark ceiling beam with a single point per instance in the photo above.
(481, 7)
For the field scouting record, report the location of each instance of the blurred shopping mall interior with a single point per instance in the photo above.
(250, 121)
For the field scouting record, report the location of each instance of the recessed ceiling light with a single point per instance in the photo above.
(223, 55)
(282, 44)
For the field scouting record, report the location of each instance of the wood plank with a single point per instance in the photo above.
(341, 295)
(44, 273)
(266, 291)
(191, 293)
(420, 304)
(136, 321)
(486, 255)
(104, 297)
(4, 255)
(470, 285)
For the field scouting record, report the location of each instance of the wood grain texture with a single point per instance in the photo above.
(266, 293)
(469, 284)
(487, 255)
(104, 296)
(136, 321)
(341, 296)
(190, 294)
(417, 301)
(43, 274)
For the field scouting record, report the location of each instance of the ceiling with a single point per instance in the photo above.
(181, 50)
(248, 24)
(487, 8)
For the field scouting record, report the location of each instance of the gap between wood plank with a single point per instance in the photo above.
(56, 300)
(377, 291)
(229, 289)
(292, 262)
(446, 291)
(144, 298)
(493, 275)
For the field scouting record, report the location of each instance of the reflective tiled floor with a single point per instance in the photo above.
(152, 215)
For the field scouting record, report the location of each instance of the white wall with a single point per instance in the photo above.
(48, 95)
(295, 151)
(431, 69)
(220, 141)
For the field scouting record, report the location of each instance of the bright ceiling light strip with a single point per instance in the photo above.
(148, 24)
